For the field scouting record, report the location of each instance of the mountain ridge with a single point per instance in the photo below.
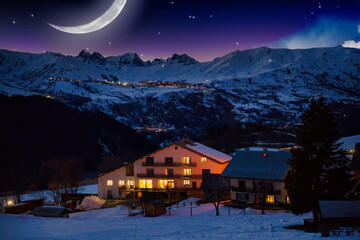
(179, 94)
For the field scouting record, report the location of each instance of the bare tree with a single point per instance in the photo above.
(64, 176)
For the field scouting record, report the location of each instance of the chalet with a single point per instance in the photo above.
(179, 166)
(255, 175)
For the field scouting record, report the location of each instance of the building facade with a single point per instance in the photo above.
(179, 166)
(258, 175)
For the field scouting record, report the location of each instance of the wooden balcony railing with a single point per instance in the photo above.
(144, 175)
(163, 164)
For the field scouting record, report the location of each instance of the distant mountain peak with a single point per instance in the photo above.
(92, 58)
(183, 59)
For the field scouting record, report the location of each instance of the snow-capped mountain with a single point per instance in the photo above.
(181, 94)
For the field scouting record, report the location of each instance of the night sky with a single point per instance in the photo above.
(204, 29)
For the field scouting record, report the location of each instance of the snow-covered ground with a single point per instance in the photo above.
(114, 223)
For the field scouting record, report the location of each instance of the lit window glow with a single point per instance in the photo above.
(203, 159)
(130, 183)
(186, 182)
(166, 183)
(187, 172)
(121, 182)
(145, 183)
(109, 182)
(270, 199)
(186, 160)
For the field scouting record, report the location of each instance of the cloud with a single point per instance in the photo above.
(325, 32)
(351, 44)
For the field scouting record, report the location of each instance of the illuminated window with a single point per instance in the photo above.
(203, 159)
(130, 183)
(109, 182)
(186, 160)
(121, 182)
(145, 183)
(270, 199)
(287, 199)
(187, 172)
(166, 183)
(186, 182)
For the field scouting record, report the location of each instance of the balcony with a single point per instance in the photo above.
(163, 164)
(257, 191)
(144, 175)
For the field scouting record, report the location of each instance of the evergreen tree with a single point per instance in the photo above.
(319, 167)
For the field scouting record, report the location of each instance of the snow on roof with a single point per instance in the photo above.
(350, 142)
(210, 152)
(258, 165)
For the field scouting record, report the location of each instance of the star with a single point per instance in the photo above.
(109, 43)
(312, 13)
(190, 16)
(172, 3)
(14, 22)
(32, 15)
(87, 49)
(319, 6)
(141, 55)
(159, 33)
(211, 16)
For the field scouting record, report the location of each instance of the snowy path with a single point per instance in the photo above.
(114, 223)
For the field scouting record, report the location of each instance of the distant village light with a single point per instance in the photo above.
(265, 154)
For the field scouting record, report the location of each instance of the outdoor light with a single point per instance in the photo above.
(10, 202)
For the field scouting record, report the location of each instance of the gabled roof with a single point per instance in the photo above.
(206, 151)
(189, 145)
(258, 165)
(340, 209)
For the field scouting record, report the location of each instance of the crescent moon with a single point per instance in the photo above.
(98, 23)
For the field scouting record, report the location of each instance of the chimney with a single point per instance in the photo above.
(186, 139)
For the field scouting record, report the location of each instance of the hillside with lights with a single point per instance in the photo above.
(169, 97)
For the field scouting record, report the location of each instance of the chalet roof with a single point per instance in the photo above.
(214, 182)
(258, 165)
(340, 209)
(50, 211)
(205, 151)
(190, 145)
